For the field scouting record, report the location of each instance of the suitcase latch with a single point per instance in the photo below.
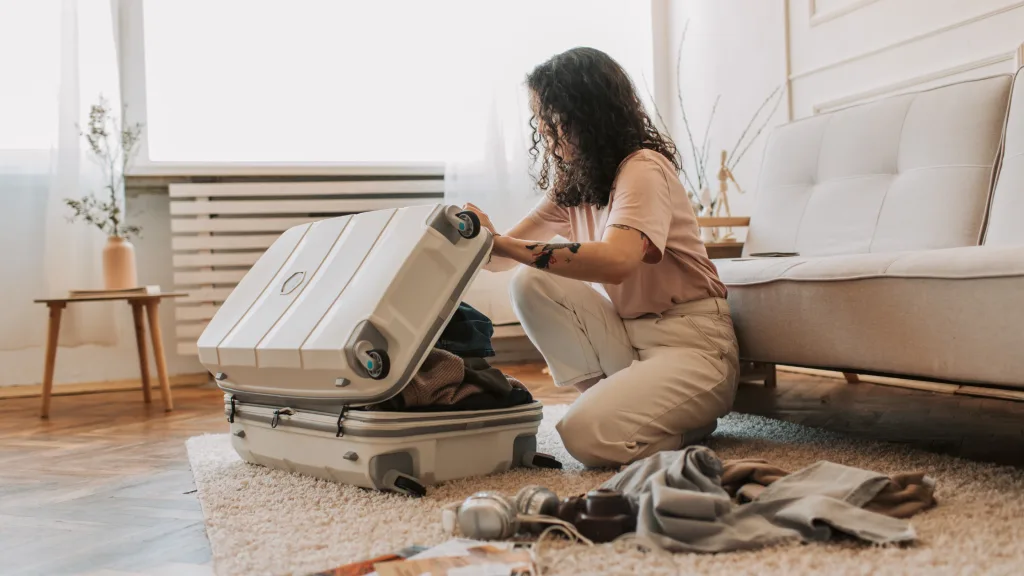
(231, 410)
(341, 418)
(277, 416)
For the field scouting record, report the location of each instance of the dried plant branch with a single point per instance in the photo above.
(735, 160)
(698, 168)
(753, 118)
(704, 148)
(701, 154)
(664, 126)
(695, 151)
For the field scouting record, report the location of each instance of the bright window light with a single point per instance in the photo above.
(30, 67)
(31, 60)
(352, 81)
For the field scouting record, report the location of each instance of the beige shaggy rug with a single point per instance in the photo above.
(262, 521)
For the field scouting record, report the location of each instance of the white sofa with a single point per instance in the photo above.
(908, 218)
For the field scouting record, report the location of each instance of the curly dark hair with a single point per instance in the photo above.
(583, 100)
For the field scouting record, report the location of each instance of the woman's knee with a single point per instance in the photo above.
(527, 285)
(533, 293)
(585, 433)
(577, 441)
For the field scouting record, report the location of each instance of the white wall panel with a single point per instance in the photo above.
(865, 50)
(831, 54)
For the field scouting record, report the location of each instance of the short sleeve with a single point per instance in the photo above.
(550, 216)
(641, 199)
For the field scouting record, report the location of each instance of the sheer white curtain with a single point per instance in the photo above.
(56, 57)
(493, 170)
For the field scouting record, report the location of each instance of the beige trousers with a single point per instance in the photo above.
(665, 379)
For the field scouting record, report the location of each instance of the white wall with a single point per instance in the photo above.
(849, 51)
(97, 363)
(736, 49)
(840, 52)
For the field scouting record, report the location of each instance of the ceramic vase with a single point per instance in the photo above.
(119, 264)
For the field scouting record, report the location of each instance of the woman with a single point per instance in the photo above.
(630, 311)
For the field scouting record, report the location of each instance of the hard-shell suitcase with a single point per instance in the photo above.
(338, 315)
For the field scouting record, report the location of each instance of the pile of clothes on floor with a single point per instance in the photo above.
(456, 375)
(691, 501)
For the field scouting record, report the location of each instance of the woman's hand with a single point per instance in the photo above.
(611, 260)
(485, 221)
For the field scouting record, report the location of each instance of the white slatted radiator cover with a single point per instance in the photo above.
(218, 230)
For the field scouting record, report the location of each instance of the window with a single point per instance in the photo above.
(30, 44)
(352, 81)
(28, 114)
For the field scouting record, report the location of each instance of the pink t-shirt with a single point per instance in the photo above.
(648, 196)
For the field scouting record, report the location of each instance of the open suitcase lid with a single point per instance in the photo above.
(342, 312)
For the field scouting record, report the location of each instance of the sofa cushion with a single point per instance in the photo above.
(909, 172)
(939, 314)
(1007, 210)
(969, 262)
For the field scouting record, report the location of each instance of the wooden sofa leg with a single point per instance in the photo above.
(753, 372)
(851, 378)
(770, 380)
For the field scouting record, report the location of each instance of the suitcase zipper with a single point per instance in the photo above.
(385, 417)
(277, 416)
(341, 417)
(345, 424)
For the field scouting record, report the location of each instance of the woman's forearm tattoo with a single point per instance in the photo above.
(544, 255)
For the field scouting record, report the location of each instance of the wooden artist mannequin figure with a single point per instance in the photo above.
(724, 177)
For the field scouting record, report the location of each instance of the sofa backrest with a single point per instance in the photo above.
(1007, 207)
(909, 172)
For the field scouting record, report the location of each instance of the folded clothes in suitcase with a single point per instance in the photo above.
(338, 315)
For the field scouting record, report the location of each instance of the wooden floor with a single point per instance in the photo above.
(103, 484)
(104, 487)
(983, 429)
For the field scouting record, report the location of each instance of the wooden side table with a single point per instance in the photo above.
(728, 249)
(150, 303)
(717, 250)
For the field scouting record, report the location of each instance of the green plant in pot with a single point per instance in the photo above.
(112, 145)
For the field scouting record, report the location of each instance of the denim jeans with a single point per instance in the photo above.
(468, 334)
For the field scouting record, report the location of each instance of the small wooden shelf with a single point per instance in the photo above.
(723, 222)
(728, 249)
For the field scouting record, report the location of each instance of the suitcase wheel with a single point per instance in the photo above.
(469, 224)
(409, 486)
(540, 460)
(378, 365)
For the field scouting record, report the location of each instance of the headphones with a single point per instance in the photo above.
(492, 516)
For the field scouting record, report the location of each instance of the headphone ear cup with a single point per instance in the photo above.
(488, 516)
(536, 501)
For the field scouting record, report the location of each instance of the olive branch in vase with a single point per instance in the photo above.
(112, 146)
